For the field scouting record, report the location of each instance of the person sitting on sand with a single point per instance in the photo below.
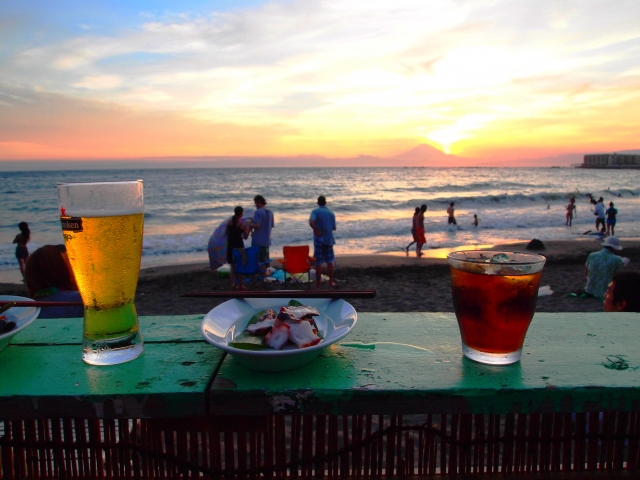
(611, 219)
(49, 278)
(571, 210)
(414, 228)
(236, 232)
(452, 219)
(601, 267)
(622, 294)
(22, 252)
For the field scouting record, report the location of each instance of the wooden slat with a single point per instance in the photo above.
(334, 294)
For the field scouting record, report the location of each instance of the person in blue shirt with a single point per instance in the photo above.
(323, 223)
(261, 225)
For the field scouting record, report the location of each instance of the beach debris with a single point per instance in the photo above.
(535, 244)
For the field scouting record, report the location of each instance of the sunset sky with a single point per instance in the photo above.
(479, 79)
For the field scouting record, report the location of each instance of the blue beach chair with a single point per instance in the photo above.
(247, 267)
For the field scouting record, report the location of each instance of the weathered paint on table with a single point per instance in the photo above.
(43, 373)
(567, 366)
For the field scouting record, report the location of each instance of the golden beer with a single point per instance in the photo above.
(105, 249)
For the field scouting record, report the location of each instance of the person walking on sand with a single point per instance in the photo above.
(21, 240)
(611, 219)
(414, 228)
(261, 225)
(452, 219)
(571, 209)
(323, 223)
(420, 231)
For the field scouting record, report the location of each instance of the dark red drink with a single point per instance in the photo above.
(494, 303)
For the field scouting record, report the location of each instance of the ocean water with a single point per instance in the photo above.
(373, 206)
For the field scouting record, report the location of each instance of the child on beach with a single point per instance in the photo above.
(571, 210)
(22, 253)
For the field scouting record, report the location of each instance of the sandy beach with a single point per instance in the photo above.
(403, 283)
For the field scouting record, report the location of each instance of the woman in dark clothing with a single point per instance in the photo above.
(22, 252)
(236, 233)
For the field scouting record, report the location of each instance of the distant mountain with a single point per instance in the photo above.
(425, 155)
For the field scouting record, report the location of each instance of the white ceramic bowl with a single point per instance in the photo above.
(229, 319)
(23, 316)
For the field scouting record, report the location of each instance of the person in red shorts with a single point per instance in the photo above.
(421, 240)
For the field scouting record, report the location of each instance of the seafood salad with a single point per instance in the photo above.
(294, 324)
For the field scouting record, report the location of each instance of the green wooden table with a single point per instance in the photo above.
(404, 363)
(395, 397)
(43, 374)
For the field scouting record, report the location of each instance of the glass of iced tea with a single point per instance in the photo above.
(102, 228)
(494, 297)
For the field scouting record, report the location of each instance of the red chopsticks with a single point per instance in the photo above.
(285, 294)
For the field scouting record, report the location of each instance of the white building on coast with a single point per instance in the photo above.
(611, 160)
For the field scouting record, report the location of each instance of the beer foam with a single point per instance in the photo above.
(102, 213)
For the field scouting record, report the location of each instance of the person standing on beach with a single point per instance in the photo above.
(21, 240)
(599, 213)
(611, 219)
(414, 229)
(323, 223)
(475, 220)
(452, 219)
(571, 208)
(601, 267)
(236, 232)
(420, 231)
(261, 225)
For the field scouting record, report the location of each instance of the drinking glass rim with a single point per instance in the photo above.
(538, 258)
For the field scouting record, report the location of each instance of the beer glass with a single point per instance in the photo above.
(102, 228)
(494, 298)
